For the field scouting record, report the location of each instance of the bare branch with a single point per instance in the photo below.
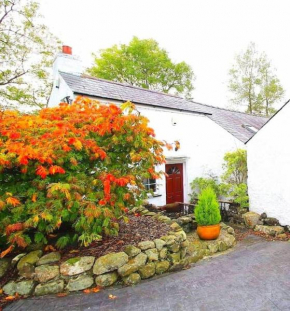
(6, 12)
(13, 78)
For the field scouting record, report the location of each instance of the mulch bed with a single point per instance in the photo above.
(138, 229)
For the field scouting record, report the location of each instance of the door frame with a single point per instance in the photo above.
(183, 162)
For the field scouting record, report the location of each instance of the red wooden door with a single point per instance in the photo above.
(174, 183)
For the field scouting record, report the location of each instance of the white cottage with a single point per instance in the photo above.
(205, 133)
(269, 167)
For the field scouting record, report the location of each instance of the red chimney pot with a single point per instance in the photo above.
(66, 49)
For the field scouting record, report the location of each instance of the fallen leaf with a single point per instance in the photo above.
(74, 251)
(49, 248)
(87, 291)
(61, 295)
(96, 289)
(10, 298)
(1, 291)
(120, 242)
(52, 235)
(112, 297)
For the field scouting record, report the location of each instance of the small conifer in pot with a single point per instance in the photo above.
(207, 215)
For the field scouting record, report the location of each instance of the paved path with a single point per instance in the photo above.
(255, 276)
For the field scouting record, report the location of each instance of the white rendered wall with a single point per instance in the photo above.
(60, 90)
(203, 145)
(269, 168)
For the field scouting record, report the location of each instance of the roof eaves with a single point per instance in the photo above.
(148, 105)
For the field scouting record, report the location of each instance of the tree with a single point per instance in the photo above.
(235, 176)
(27, 49)
(143, 63)
(254, 83)
(271, 89)
(81, 165)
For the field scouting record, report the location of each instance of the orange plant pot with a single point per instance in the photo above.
(209, 232)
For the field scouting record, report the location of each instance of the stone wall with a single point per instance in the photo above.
(39, 274)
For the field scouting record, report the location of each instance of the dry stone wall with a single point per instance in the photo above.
(40, 274)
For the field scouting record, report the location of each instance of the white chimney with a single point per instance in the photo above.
(66, 62)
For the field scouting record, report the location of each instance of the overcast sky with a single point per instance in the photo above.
(204, 33)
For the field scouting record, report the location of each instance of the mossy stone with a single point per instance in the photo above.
(147, 271)
(79, 283)
(132, 279)
(77, 265)
(162, 266)
(22, 288)
(174, 257)
(152, 254)
(106, 279)
(45, 273)
(132, 250)
(30, 258)
(49, 258)
(53, 287)
(133, 265)
(146, 245)
(110, 262)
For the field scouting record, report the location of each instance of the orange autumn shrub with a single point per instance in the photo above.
(78, 166)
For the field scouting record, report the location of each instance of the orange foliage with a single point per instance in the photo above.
(14, 228)
(82, 164)
(12, 201)
(7, 251)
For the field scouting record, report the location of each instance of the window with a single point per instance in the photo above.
(150, 184)
(173, 170)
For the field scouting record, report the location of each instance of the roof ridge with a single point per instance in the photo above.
(126, 85)
(226, 109)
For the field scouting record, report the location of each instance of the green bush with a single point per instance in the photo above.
(240, 195)
(207, 210)
(201, 183)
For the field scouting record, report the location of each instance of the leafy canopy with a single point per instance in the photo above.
(207, 210)
(253, 83)
(144, 64)
(235, 167)
(74, 168)
(27, 49)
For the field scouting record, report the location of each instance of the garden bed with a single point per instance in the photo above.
(138, 229)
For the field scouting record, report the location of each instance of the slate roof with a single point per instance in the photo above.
(235, 122)
(113, 90)
(232, 121)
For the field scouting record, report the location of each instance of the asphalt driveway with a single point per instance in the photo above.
(254, 276)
